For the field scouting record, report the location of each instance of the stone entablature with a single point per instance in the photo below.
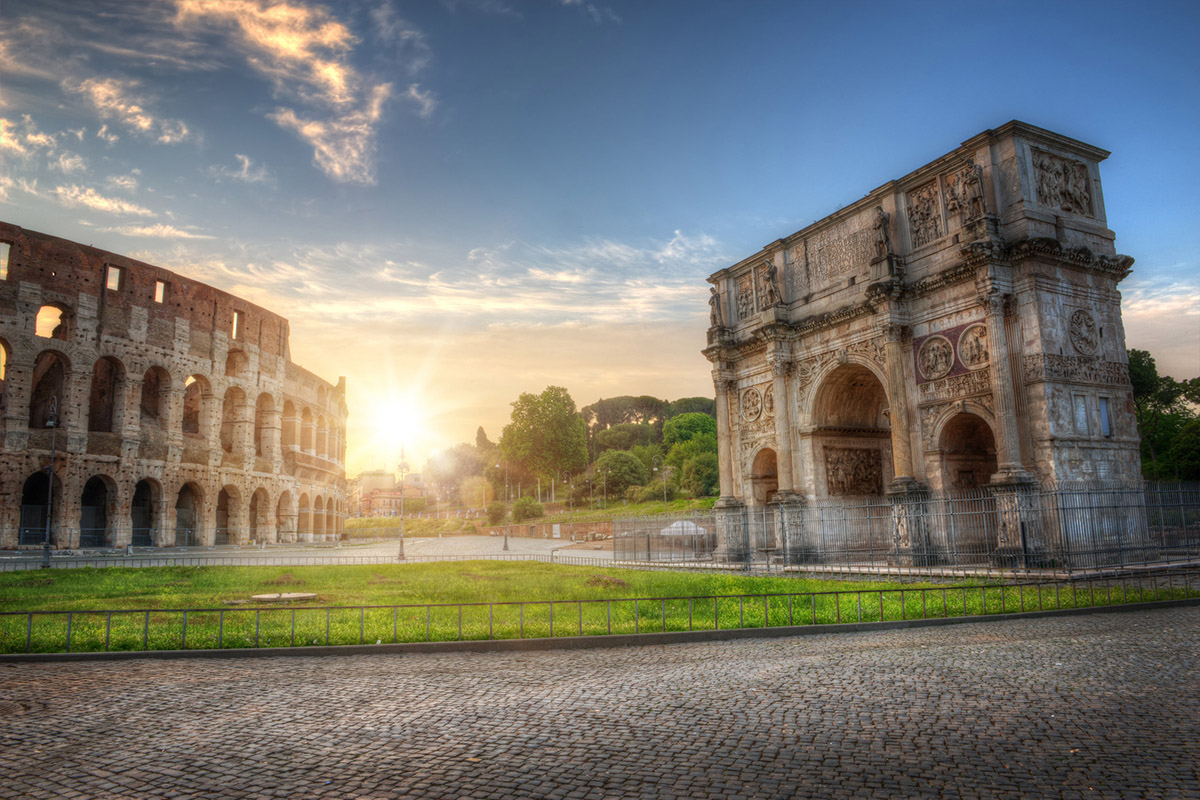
(962, 315)
(161, 383)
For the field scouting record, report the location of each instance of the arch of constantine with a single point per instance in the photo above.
(171, 410)
(957, 327)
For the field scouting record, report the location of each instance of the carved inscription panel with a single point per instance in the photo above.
(853, 470)
(840, 249)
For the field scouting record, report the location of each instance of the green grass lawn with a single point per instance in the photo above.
(469, 600)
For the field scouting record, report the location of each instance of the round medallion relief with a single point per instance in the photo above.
(935, 358)
(751, 404)
(973, 346)
(1084, 335)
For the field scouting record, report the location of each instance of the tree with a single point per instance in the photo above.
(546, 436)
(688, 426)
(449, 468)
(1164, 407)
(624, 436)
(495, 512)
(476, 491)
(622, 469)
(701, 475)
(482, 443)
(686, 405)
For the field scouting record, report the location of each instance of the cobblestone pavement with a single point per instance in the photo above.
(1104, 705)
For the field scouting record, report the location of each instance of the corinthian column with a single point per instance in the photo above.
(721, 382)
(1007, 443)
(902, 461)
(783, 427)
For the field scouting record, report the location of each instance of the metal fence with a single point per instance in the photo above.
(1060, 528)
(143, 629)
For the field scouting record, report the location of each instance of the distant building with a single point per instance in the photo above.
(376, 493)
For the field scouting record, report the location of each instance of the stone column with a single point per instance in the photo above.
(783, 427)
(722, 381)
(1008, 444)
(129, 418)
(18, 386)
(902, 461)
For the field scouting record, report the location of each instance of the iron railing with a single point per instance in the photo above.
(145, 630)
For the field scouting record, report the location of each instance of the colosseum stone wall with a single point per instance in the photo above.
(172, 409)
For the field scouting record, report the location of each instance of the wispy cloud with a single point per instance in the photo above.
(73, 196)
(594, 11)
(306, 53)
(245, 171)
(123, 183)
(21, 138)
(157, 231)
(119, 100)
(69, 163)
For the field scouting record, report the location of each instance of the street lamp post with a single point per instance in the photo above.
(570, 506)
(402, 468)
(604, 484)
(505, 501)
(661, 468)
(52, 424)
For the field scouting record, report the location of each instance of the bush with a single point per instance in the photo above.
(701, 475)
(495, 512)
(654, 491)
(527, 508)
(623, 469)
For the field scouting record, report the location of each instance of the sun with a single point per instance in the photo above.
(397, 423)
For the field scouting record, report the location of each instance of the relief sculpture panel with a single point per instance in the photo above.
(1062, 183)
(924, 214)
(853, 470)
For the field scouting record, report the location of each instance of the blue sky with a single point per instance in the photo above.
(458, 201)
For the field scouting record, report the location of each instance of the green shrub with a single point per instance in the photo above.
(527, 508)
(495, 512)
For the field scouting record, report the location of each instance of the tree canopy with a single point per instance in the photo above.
(687, 426)
(546, 436)
(1167, 420)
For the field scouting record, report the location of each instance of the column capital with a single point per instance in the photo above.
(894, 332)
(994, 302)
(780, 365)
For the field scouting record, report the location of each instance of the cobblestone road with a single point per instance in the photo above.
(1105, 705)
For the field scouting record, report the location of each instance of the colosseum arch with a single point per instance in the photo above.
(306, 431)
(851, 443)
(259, 517)
(54, 321)
(197, 394)
(146, 512)
(51, 369)
(237, 364)
(290, 434)
(156, 396)
(103, 400)
(229, 516)
(232, 410)
(188, 514)
(318, 520)
(264, 423)
(5, 354)
(322, 445)
(304, 520)
(97, 512)
(35, 506)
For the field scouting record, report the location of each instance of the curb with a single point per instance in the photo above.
(580, 642)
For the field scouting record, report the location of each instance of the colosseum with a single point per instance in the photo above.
(170, 410)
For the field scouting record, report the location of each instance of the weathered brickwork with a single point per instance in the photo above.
(179, 418)
(955, 328)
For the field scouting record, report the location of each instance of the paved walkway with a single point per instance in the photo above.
(1096, 706)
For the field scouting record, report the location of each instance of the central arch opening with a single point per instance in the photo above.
(853, 437)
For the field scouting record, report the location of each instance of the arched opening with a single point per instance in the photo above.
(195, 421)
(304, 520)
(306, 431)
(322, 396)
(231, 411)
(156, 396)
(322, 437)
(4, 355)
(227, 514)
(968, 452)
(264, 410)
(260, 516)
(35, 507)
(49, 385)
(53, 322)
(318, 520)
(236, 364)
(853, 432)
(187, 515)
(107, 373)
(764, 477)
(291, 426)
(285, 519)
(143, 512)
(94, 513)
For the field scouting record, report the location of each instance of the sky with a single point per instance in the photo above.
(455, 202)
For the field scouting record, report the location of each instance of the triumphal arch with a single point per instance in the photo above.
(957, 327)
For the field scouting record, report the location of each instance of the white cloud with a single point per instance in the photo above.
(157, 231)
(119, 100)
(424, 100)
(123, 183)
(344, 147)
(73, 196)
(68, 163)
(107, 136)
(245, 172)
(22, 139)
